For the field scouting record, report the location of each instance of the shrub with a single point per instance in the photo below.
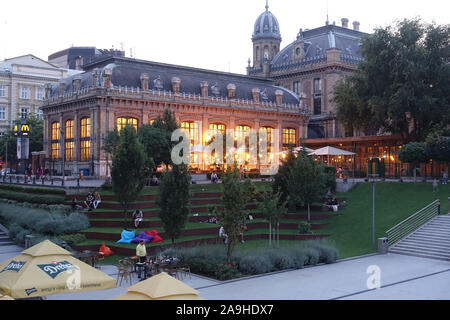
(33, 198)
(304, 227)
(32, 190)
(226, 271)
(313, 256)
(73, 239)
(255, 264)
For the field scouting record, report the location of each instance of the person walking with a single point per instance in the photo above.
(435, 185)
(444, 177)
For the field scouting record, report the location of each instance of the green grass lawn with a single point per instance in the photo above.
(394, 202)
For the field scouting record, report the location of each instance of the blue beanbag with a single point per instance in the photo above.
(127, 236)
(142, 236)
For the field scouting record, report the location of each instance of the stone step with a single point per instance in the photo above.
(422, 249)
(434, 234)
(418, 251)
(422, 255)
(426, 241)
(6, 243)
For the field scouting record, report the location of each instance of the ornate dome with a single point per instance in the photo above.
(266, 26)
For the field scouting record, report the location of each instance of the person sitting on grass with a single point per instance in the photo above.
(89, 201)
(138, 216)
(75, 205)
(97, 200)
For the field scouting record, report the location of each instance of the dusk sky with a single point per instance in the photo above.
(209, 34)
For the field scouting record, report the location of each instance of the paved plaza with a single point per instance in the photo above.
(401, 278)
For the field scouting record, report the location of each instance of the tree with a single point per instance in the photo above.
(414, 153)
(166, 123)
(128, 170)
(173, 200)
(236, 194)
(283, 175)
(273, 209)
(157, 144)
(306, 181)
(401, 86)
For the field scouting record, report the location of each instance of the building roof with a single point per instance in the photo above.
(315, 44)
(126, 72)
(266, 26)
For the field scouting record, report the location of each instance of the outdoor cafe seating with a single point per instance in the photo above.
(156, 265)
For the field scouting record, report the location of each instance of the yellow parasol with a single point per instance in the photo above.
(160, 287)
(5, 297)
(46, 269)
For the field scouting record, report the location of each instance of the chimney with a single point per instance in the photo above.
(279, 97)
(62, 88)
(344, 22)
(76, 83)
(48, 90)
(356, 25)
(176, 85)
(95, 76)
(79, 63)
(107, 73)
(204, 86)
(144, 81)
(255, 93)
(231, 87)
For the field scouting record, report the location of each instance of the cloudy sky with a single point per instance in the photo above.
(210, 34)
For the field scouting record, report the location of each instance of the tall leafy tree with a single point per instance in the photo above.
(173, 200)
(401, 86)
(236, 194)
(128, 171)
(413, 153)
(306, 181)
(273, 209)
(157, 144)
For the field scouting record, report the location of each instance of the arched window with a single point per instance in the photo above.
(55, 143)
(215, 128)
(270, 137)
(288, 137)
(124, 121)
(85, 139)
(190, 128)
(68, 140)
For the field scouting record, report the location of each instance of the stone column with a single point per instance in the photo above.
(76, 142)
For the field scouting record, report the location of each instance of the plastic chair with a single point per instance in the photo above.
(123, 271)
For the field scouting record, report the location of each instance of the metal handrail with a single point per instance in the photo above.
(412, 223)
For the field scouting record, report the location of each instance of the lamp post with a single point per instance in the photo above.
(373, 176)
(62, 155)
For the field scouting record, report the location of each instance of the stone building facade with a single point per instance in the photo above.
(113, 91)
(309, 66)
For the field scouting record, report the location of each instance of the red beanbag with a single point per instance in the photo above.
(152, 233)
(105, 250)
(157, 238)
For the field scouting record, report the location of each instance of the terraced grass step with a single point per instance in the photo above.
(156, 248)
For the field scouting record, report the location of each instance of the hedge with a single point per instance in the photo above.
(32, 190)
(33, 198)
(208, 260)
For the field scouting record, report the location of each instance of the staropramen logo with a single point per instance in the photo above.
(55, 268)
(14, 266)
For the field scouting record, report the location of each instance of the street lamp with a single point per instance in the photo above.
(61, 130)
(373, 176)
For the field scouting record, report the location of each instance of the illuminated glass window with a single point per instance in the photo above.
(68, 150)
(55, 131)
(215, 128)
(85, 150)
(270, 137)
(288, 137)
(69, 129)
(191, 130)
(123, 121)
(85, 128)
(55, 150)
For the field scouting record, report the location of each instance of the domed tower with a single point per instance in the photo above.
(266, 39)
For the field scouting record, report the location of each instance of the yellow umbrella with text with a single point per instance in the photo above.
(46, 269)
(160, 287)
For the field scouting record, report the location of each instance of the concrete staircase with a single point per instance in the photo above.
(432, 240)
(4, 238)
